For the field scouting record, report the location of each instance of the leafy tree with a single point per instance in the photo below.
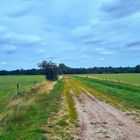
(63, 69)
(50, 70)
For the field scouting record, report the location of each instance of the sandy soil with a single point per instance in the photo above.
(100, 121)
(15, 102)
(45, 86)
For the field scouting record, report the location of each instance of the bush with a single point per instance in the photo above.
(50, 70)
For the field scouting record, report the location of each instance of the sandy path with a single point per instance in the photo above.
(100, 121)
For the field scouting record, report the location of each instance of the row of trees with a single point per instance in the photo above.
(22, 72)
(51, 70)
(99, 70)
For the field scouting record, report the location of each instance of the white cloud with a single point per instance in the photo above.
(74, 29)
(101, 59)
(81, 29)
(29, 39)
(41, 51)
(3, 63)
(104, 51)
(10, 49)
(3, 29)
(17, 39)
(134, 48)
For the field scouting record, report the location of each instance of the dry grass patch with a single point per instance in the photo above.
(15, 102)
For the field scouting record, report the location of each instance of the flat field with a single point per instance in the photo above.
(132, 79)
(8, 84)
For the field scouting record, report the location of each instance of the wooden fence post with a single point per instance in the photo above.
(34, 83)
(17, 88)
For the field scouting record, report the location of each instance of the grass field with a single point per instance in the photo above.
(8, 84)
(48, 110)
(132, 79)
(119, 94)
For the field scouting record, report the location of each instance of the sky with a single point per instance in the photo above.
(79, 33)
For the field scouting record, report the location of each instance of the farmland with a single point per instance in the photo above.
(132, 79)
(97, 102)
(8, 84)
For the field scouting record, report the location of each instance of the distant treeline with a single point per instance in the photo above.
(22, 72)
(63, 69)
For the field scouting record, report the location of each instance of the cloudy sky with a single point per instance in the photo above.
(79, 33)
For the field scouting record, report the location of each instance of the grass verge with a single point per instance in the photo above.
(25, 120)
(70, 101)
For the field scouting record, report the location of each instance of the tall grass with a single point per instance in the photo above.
(26, 120)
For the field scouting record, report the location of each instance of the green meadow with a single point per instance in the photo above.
(8, 84)
(132, 79)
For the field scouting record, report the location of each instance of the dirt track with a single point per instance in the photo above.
(100, 121)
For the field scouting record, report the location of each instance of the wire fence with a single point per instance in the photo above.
(21, 87)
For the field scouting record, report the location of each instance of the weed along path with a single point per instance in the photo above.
(100, 121)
